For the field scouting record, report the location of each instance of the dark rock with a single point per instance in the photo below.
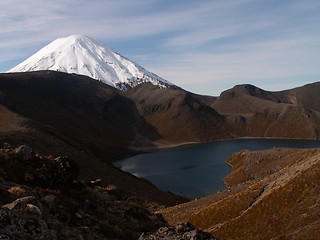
(5, 145)
(197, 235)
(4, 156)
(3, 173)
(184, 227)
(28, 177)
(183, 231)
(4, 195)
(89, 183)
(33, 210)
(13, 227)
(111, 187)
(20, 202)
(54, 173)
(96, 182)
(24, 152)
(5, 217)
(63, 171)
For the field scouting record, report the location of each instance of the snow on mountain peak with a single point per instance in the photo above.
(86, 56)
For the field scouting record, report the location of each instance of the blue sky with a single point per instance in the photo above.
(203, 46)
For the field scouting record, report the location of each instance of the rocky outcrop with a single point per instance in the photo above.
(183, 231)
(29, 227)
(41, 199)
(23, 166)
(24, 152)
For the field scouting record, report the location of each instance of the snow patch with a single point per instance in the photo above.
(86, 56)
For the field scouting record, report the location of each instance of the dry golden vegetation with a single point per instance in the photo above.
(280, 201)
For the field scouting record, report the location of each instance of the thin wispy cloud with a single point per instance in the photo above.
(194, 44)
(267, 64)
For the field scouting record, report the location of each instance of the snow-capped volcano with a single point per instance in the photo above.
(86, 56)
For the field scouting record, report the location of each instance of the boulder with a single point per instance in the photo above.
(184, 227)
(54, 173)
(19, 203)
(13, 227)
(24, 152)
(183, 231)
(63, 170)
(33, 210)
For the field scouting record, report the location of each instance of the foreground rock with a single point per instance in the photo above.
(15, 227)
(183, 231)
(41, 199)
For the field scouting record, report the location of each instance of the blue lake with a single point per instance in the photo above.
(198, 170)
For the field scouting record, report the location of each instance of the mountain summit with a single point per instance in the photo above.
(86, 56)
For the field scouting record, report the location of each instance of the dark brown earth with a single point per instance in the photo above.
(105, 121)
(87, 114)
(66, 115)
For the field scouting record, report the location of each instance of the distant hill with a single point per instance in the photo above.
(112, 124)
(253, 112)
(178, 116)
(250, 98)
(306, 96)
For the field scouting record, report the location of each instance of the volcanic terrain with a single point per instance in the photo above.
(76, 106)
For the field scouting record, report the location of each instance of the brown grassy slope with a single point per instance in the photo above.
(306, 96)
(248, 168)
(289, 212)
(244, 99)
(286, 121)
(287, 207)
(257, 165)
(280, 201)
(177, 115)
(253, 112)
(208, 100)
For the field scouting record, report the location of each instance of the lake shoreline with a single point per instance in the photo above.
(197, 170)
(162, 147)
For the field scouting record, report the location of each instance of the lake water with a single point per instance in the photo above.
(198, 170)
